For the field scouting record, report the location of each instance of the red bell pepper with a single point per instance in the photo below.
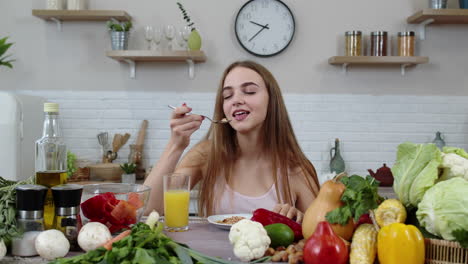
(266, 217)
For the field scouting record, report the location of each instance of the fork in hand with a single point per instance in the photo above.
(222, 121)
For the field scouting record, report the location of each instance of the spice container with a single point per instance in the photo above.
(379, 43)
(55, 4)
(406, 43)
(353, 43)
(67, 199)
(30, 218)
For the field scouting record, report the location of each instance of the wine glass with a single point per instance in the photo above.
(157, 36)
(185, 33)
(149, 35)
(169, 32)
(180, 39)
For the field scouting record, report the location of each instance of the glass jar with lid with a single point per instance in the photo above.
(406, 43)
(379, 41)
(353, 41)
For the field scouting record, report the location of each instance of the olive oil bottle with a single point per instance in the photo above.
(51, 159)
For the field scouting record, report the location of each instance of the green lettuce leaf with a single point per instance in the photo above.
(415, 171)
(444, 208)
(458, 151)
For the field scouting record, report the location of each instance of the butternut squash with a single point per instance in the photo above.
(327, 200)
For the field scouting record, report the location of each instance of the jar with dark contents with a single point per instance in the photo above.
(67, 199)
(379, 41)
(353, 41)
(406, 43)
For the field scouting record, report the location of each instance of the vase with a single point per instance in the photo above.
(337, 164)
(119, 40)
(194, 41)
(128, 178)
(438, 141)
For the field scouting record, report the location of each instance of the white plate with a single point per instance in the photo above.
(213, 219)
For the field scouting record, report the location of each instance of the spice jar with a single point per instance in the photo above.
(406, 43)
(353, 43)
(67, 199)
(30, 218)
(379, 43)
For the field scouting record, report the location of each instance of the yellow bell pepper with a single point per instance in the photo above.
(399, 243)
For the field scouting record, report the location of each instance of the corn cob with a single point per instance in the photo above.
(389, 212)
(364, 245)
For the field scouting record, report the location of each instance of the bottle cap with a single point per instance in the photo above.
(51, 107)
(30, 197)
(67, 195)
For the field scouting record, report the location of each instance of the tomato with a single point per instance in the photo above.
(364, 219)
(134, 200)
(123, 214)
(280, 235)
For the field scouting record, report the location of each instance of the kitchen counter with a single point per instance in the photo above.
(201, 236)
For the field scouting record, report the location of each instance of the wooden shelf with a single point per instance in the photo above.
(440, 16)
(81, 15)
(404, 62)
(133, 56)
(150, 55)
(377, 60)
(437, 16)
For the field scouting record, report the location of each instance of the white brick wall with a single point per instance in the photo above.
(369, 127)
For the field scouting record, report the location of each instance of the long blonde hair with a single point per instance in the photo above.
(279, 140)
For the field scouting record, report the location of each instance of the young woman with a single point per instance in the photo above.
(254, 161)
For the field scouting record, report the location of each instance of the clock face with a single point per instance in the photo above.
(264, 27)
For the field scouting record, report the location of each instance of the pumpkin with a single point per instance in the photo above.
(327, 200)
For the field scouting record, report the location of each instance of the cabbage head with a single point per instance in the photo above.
(444, 208)
(415, 171)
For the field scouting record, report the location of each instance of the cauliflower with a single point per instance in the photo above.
(454, 166)
(250, 240)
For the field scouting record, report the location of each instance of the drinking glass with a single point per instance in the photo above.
(169, 32)
(176, 202)
(157, 36)
(149, 35)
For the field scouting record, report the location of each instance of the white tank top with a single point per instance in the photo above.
(232, 202)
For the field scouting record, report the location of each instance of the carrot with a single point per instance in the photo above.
(108, 244)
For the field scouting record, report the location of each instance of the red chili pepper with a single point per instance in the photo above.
(266, 217)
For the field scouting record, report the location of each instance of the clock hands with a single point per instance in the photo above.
(263, 27)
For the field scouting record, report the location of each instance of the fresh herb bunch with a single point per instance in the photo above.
(71, 166)
(461, 236)
(186, 16)
(4, 46)
(360, 196)
(116, 26)
(8, 229)
(128, 168)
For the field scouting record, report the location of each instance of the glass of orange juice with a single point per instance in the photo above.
(176, 202)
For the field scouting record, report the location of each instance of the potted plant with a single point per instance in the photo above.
(194, 40)
(120, 33)
(4, 46)
(129, 172)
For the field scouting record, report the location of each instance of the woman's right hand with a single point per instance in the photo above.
(183, 126)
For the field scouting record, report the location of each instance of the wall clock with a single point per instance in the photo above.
(264, 27)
